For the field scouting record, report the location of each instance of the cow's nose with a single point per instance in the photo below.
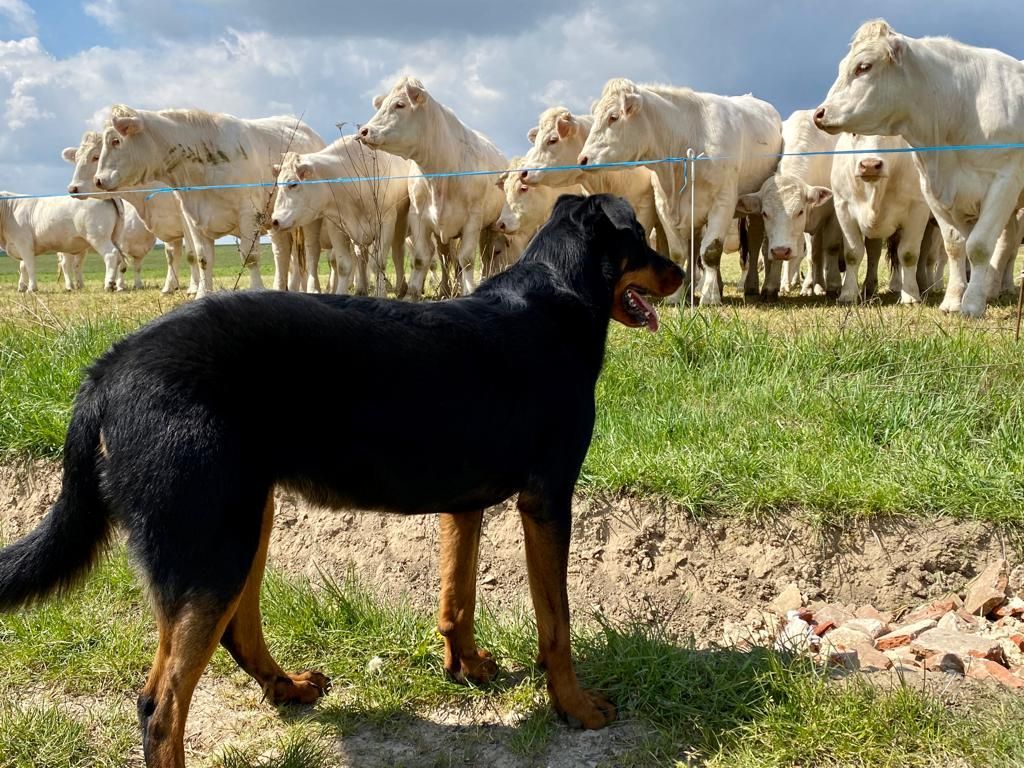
(73, 189)
(523, 175)
(276, 224)
(364, 132)
(782, 253)
(819, 116)
(501, 225)
(583, 159)
(871, 166)
(98, 182)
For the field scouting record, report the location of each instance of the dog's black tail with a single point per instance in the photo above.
(61, 549)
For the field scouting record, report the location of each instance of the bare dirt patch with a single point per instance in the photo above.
(630, 558)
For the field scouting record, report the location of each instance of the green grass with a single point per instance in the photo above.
(805, 407)
(718, 706)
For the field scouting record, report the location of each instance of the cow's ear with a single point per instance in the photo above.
(565, 124)
(69, 153)
(818, 195)
(631, 103)
(304, 171)
(896, 47)
(532, 135)
(500, 183)
(748, 205)
(127, 125)
(277, 169)
(417, 93)
(378, 100)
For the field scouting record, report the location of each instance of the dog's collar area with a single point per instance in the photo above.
(639, 309)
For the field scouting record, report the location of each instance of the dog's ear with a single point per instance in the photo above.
(617, 211)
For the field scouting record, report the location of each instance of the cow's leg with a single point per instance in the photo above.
(956, 257)
(423, 255)
(361, 257)
(715, 231)
(546, 529)
(281, 247)
(379, 253)
(172, 252)
(203, 253)
(467, 252)
(296, 264)
(854, 249)
(873, 250)
(23, 281)
(341, 250)
(137, 268)
(311, 248)
(398, 250)
(460, 543)
(249, 250)
(755, 239)
(113, 277)
(911, 240)
(999, 205)
(66, 268)
(1003, 257)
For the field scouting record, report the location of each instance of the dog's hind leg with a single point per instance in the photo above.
(546, 530)
(460, 543)
(188, 636)
(243, 637)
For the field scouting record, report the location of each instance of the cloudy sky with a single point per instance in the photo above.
(62, 62)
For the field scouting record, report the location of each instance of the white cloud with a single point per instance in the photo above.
(106, 12)
(20, 16)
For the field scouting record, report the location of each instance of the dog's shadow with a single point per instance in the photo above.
(672, 699)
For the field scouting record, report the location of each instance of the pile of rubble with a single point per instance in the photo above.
(979, 633)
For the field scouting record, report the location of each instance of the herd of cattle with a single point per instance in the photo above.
(892, 93)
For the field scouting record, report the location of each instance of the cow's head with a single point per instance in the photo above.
(619, 132)
(396, 127)
(870, 95)
(85, 157)
(294, 203)
(784, 202)
(557, 140)
(127, 151)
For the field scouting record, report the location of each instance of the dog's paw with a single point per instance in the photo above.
(477, 667)
(300, 688)
(591, 711)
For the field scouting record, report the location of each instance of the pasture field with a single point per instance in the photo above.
(798, 410)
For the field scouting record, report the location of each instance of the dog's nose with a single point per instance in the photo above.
(819, 116)
(583, 159)
(782, 253)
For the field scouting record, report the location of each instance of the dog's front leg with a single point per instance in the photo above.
(460, 543)
(546, 530)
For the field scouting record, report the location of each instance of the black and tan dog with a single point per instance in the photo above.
(166, 441)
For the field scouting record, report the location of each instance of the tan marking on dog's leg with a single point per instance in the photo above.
(460, 544)
(547, 554)
(243, 637)
(187, 641)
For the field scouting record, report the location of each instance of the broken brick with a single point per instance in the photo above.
(988, 591)
(964, 646)
(983, 669)
(904, 634)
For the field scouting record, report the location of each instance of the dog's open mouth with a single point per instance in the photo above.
(639, 309)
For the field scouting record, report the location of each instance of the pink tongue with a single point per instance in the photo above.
(652, 316)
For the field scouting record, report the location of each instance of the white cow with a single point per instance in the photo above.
(161, 214)
(196, 148)
(371, 214)
(412, 124)
(797, 200)
(30, 227)
(876, 195)
(526, 209)
(638, 122)
(935, 91)
(557, 140)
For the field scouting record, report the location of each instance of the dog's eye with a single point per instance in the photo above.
(862, 68)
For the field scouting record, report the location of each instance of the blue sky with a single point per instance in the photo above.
(64, 62)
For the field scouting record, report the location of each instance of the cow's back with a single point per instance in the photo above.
(749, 129)
(800, 134)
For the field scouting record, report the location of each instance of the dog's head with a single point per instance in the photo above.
(629, 267)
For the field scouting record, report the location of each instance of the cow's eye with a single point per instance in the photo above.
(292, 184)
(801, 213)
(612, 118)
(115, 142)
(764, 216)
(399, 105)
(862, 68)
(95, 159)
(553, 140)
